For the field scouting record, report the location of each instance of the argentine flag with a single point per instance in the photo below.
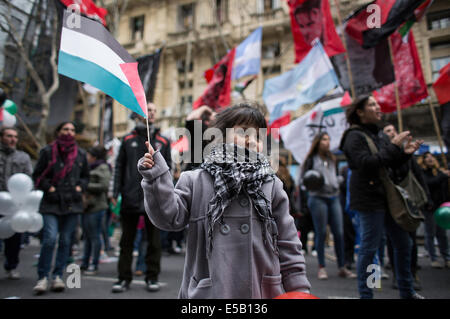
(247, 60)
(89, 53)
(306, 83)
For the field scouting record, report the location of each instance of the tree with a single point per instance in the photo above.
(44, 16)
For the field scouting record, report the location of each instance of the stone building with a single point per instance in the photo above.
(196, 34)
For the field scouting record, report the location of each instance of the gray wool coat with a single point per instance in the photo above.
(241, 265)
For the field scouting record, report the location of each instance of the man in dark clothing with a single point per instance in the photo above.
(12, 161)
(127, 182)
(398, 175)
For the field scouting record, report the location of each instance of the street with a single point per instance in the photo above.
(435, 282)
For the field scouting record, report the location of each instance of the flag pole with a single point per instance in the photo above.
(438, 132)
(347, 57)
(397, 97)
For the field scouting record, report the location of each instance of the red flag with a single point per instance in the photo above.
(89, 9)
(279, 122)
(408, 75)
(392, 14)
(312, 19)
(218, 92)
(442, 85)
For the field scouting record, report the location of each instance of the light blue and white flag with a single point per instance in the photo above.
(248, 56)
(306, 83)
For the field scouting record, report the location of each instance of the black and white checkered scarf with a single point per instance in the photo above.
(237, 169)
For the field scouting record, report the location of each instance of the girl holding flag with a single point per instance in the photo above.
(242, 241)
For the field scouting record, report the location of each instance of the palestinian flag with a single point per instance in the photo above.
(393, 13)
(418, 14)
(90, 54)
(241, 86)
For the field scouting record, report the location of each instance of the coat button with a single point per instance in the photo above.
(224, 229)
(245, 228)
(243, 202)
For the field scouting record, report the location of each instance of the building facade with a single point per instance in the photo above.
(196, 34)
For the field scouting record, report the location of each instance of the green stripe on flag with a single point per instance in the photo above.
(335, 110)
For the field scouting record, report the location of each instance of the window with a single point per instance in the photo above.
(437, 64)
(222, 10)
(438, 20)
(190, 84)
(137, 28)
(273, 69)
(181, 66)
(267, 5)
(270, 51)
(185, 17)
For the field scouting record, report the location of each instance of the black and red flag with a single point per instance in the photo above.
(312, 19)
(378, 19)
(218, 92)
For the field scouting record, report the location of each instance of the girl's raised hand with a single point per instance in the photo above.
(148, 161)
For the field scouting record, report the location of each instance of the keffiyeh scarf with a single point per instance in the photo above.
(237, 169)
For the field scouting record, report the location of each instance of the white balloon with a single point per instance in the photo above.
(21, 221)
(8, 119)
(5, 228)
(32, 201)
(19, 185)
(37, 223)
(7, 206)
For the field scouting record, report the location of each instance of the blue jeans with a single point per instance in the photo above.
(432, 230)
(372, 224)
(326, 211)
(92, 228)
(64, 225)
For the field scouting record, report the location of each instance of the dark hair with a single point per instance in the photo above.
(99, 152)
(386, 124)
(314, 149)
(307, 6)
(351, 114)
(240, 114)
(61, 125)
(5, 128)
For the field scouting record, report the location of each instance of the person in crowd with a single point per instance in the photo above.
(437, 181)
(325, 205)
(197, 122)
(368, 196)
(288, 183)
(127, 183)
(349, 229)
(398, 176)
(242, 241)
(62, 173)
(96, 205)
(12, 161)
(304, 220)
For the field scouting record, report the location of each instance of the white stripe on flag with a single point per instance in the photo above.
(89, 49)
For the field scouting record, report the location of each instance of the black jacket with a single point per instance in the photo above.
(65, 200)
(127, 180)
(366, 189)
(438, 186)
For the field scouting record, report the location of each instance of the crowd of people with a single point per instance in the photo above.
(245, 227)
